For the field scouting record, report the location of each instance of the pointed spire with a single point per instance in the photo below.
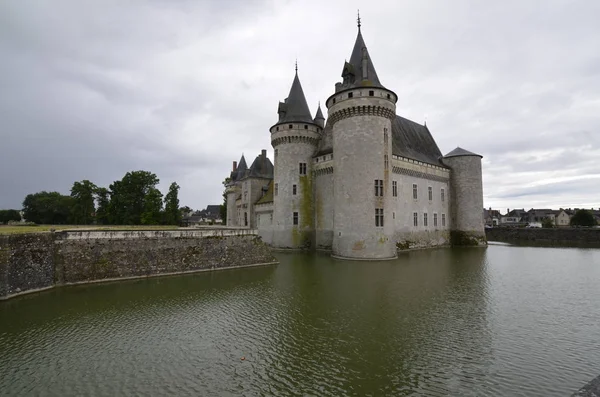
(359, 70)
(319, 119)
(295, 108)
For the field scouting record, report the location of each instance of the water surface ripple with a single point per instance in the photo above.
(501, 321)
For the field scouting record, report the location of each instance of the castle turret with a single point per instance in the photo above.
(294, 139)
(319, 119)
(361, 113)
(466, 197)
(233, 191)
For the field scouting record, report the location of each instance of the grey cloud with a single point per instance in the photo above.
(91, 90)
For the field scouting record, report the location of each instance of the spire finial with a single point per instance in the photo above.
(296, 65)
(358, 19)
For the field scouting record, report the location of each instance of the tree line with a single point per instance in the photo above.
(133, 200)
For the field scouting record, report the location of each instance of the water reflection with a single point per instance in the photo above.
(497, 321)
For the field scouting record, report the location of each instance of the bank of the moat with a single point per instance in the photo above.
(33, 262)
(567, 237)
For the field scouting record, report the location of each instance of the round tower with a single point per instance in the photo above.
(361, 113)
(294, 139)
(466, 198)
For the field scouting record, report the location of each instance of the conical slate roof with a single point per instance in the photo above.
(295, 108)
(319, 115)
(240, 171)
(355, 66)
(461, 152)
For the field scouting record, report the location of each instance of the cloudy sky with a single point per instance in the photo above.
(93, 89)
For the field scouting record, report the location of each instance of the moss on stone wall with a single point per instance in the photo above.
(466, 239)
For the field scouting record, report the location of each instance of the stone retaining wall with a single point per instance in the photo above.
(30, 262)
(559, 236)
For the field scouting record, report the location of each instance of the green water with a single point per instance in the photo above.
(501, 321)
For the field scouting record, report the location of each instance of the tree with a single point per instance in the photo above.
(152, 207)
(82, 212)
(47, 208)
(223, 207)
(128, 197)
(103, 200)
(172, 212)
(547, 223)
(9, 215)
(583, 218)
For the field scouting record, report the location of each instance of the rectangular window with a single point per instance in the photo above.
(443, 220)
(295, 218)
(425, 219)
(379, 217)
(350, 95)
(415, 193)
(394, 188)
(443, 195)
(276, 189)
(302, 168)
(294, 190)
(415, 219)
(378, 187)
(371, 93)
(434, 220)
(430, 191)
(386, 161)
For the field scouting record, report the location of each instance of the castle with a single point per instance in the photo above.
(363, 184)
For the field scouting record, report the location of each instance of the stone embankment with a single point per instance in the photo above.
(576, 237)
(33, 262)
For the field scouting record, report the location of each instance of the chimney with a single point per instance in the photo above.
(234, 165)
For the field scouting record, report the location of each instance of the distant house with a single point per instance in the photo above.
(513, 217)
(491, 217)
(540, 215)
(563, 218)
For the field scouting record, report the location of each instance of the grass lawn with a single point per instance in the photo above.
(46, 228)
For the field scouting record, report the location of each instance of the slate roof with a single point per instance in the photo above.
(319, 115)
(409, 139)
(261, 168)
(352, 71)
(295, 108)
(461, 152)
(414, 141)
(240, 171)
(268, 196)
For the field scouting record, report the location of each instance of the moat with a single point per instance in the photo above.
(496, 321)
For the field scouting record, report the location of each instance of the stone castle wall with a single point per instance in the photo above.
(361, 124)
(466, 200)
(32, 262)
(293, 146)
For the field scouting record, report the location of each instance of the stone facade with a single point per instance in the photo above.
(34, 262)
(366, 182)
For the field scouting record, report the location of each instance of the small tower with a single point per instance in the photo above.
(319, 119)
(294, 139)
(466, 198)
(361, 112)
(233, 191)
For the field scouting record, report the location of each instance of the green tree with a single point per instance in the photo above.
(83, 210)
(9, 215)
(103, 200)
(223, 207)
(152, 213)
(47, 208)
(128, 197)
(583, 218)
(547, 223)
(172, 212)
